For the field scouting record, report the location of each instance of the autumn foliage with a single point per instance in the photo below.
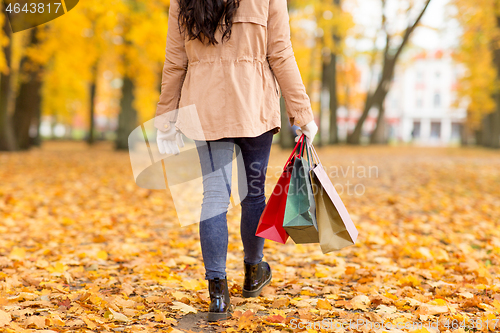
(83, 249)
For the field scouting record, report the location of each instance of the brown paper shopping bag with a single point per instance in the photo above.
(335, 227)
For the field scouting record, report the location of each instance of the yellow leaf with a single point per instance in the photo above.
(281, 302)
(421, 330)
(118, 316)
(186, 260)
(350, 270)
(324, 304)
(428, 309)
(142, 234)
(360, 302)
(424, 252)
(440, 254)
(159, 316)
(184, 307)
(95, 299)
(178, 295)
(438, 301)
(392, 296)
(38, 321)
(90, 323)
(191, 284)
(173, 330)
(308, 293)
(385, 310)
(17, 253)
(67, 221)
(496, 304)
(466, 294)
(57, 268)
(5, 318)
(103, 255)
(409, 280)
(56, 319)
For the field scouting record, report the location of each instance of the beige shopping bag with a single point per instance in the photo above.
(335, 227)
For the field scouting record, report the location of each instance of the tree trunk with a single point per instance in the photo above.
(286, 135)
(334, 102)
(491, 122)
(478, 135)
(93, 87)
(325, 88)
(7, 138)
(355, 137)
(373, 100)
(387, 73)
(127, 119)
(36, 140)
(379, 134)
(465, 135)
(333, 137)
(36, 121)
(486, 131)
(28, 100)
(495, 128)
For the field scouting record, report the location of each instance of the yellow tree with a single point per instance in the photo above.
(479, 52)
(349, 77)
(334, 24)
(96, 45)
(7, 139)
(320, 50)
(26, 90)
(143, 54)
(70, 47)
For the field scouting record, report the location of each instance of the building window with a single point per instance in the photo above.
(435, 130)
(420, 102)
(416, 130)
(437, 100)
(420, 75)
(456, 131)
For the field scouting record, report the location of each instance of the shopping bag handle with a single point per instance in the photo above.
(310, 160)
(301, 153)
(304, 141)
(314, 154)
(300, 142)
(306, 145)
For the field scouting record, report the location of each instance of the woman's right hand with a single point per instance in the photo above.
(309, 130)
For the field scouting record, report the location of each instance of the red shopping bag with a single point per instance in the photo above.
(271, 221)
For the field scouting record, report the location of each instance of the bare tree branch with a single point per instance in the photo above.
(410, 29)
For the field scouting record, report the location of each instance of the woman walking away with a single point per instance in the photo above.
(229, 58)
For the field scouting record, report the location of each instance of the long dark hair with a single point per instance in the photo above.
(201, 18)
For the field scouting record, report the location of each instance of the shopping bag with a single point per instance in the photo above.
(310, 193)
(300, 220)
(271, 221)
(335, 227)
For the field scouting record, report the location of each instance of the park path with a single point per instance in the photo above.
(83, 249)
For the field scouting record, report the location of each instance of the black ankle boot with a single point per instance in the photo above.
(256, 277)
(219, 299)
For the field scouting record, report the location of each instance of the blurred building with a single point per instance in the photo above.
(421, 105)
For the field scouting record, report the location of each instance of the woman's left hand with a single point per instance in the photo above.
(169, 141)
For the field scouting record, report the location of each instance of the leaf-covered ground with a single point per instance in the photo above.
(83, 249)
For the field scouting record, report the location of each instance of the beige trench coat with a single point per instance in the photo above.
(235, 85)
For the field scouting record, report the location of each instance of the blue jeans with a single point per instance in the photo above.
(216, 163)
